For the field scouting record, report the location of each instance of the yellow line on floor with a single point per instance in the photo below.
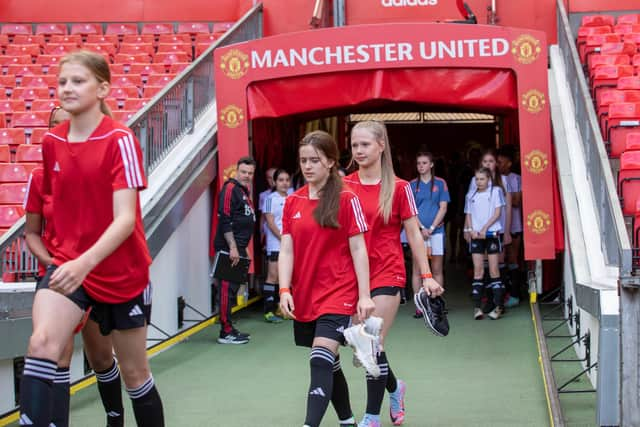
(544, 377)
(14, 416)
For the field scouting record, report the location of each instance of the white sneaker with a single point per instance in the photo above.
(373, 326)
(365, 347)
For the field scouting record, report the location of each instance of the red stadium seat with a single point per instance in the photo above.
(13, 172)
(175, 48)
(629, 82)
(136, 48)
(201, 48)
(208, 38)
(20, 70)
(633, 141)
(176, 68)
(60, 48)
(583, 34)
(44, 104)
(123, 116)
(622, 48)
(602, 59)
(117, 68)
(629, 181)
(5, 154)
(171, 58)
(8, 106)
(632, 18)
(157, 28)
(29, 153)
(3, 122)
(69, 38)
(633, 37)
(4, 40)
(129, 79)
(114, 104)
(159, 79)
(139, 38)
(624, 118)
(103, 38)
(13, 29)
(50, 29)
(12, 136)
(32, 119)
(118, 29)
(27, 39)
(597, 20)
(44, 80)
(608, 75)
(193, 28)
(122, 93)
(126, 58)
(595, 41)
(6, 60)
(51, 69)
(33, 50)
(31, 93)
(86, 29)
(48, 60)
(29, 167)
(11, 194)
(147, 69)
(151, 90)
(134, 104)
(9, 214)
(105, 48)
(37, 134)
(175, 38)
(7, 83)
(222, 27)
(626, 28)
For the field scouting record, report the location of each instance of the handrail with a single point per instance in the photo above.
(616, 246)
(159, 126)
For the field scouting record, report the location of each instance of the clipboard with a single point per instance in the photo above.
(223, 270)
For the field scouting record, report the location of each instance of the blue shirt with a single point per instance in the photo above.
(428, 196)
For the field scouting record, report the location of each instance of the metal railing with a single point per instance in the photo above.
(159, 126)
(615, 240)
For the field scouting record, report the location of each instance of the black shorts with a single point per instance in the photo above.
(273, 256)
(386, 290)
(491, 245)
(131, 314)
(518, 234)
(326, 326)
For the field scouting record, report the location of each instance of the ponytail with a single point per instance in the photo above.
(104, 108)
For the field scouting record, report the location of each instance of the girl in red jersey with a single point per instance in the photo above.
(324, 271)
(38, 235)
(388, 206)
(92, 172)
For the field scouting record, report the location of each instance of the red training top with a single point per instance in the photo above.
(386, 260)
(37, 203)
(324, 279)
(82, 177)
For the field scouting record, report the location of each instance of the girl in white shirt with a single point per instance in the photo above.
(483, 208)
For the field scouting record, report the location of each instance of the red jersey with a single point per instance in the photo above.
(324, 279)
(81, 178)
(37, 203)
(386, 260)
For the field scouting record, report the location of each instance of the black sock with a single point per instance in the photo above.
(340, 393)
(498, 292)
(392, 382)
(61, 382)
(376, 387)
(111, 395)
(36, 392)
(321, 385)
(504, 277)
(269, 294)
(477, 287)
(514, 278)
(147, 406)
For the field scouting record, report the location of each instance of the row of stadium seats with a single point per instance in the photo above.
(609, 49)
(119, 29)
(8, 44)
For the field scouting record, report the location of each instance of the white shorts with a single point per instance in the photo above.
(436, 243)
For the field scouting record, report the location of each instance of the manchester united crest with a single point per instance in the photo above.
(231, 116)
(536, 162)
(235, 63)
(538, 221)
(533, 101)
(526, 49)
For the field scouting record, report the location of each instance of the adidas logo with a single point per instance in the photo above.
(298, 215)
(340, 329)
(25, 420)
(317, 392)
(56, 167)
(135, 311)
(113, 414)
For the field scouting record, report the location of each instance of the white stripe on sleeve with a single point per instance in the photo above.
(359, 215)
(125, 161)
(26, 194)
(135, 161)
(412, 201)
